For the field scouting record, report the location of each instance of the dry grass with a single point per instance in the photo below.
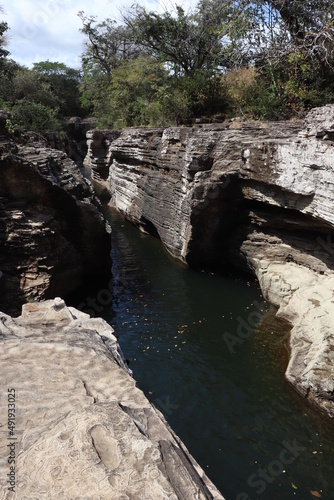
(237, 83)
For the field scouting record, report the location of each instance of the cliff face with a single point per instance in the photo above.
(258, 196)
(52, 233)
(82, 429)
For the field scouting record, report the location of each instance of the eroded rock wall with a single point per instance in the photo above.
(52, 233)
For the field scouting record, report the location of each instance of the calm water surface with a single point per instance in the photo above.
(254, 437)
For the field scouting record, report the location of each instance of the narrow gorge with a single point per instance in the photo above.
(224, 198)
(73, 423)
(254, 196)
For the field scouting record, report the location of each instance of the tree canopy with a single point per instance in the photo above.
(268, 59)
(282, 49)
(64, 82)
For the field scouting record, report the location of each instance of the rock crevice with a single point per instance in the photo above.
(79, 438)
(52, 233)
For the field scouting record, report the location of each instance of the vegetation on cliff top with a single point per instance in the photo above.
(266, 59)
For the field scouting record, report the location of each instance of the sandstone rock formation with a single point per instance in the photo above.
(99, 158)
(82, 429)
(52, 233)
(256, 196)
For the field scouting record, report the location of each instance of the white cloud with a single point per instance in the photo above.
(49, 29)
(41, 30)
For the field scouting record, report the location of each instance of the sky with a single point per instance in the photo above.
(42, 30)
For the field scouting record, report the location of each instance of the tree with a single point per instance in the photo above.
(187, 42)
(131, 96)
(8, 69)
(35, 116)
(289, 45)
(108, 44)
(64, 82)
(35, 106)
(31, 87)
(310, 25)
(281, 27)
(3, 29)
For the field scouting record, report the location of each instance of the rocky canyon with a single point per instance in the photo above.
(246, 196)
(255, 196)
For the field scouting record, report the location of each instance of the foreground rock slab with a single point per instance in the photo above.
(82, 429)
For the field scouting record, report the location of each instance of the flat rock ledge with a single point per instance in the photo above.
(82, 429)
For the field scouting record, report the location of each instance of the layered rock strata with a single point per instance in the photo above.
(258, 196)
(53, 236)
(81, 427)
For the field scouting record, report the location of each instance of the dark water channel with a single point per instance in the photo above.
(250, 432)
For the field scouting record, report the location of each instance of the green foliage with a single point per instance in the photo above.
(129, 98)
(107, 46)
(3, 29)
(279, 91)
(142, 92)
(10, 127)
(36, 98)
(268, 59)
(31, 87)
(35, 116)
(188, 43)
(64, 83)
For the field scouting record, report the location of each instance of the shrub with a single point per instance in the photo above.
(237, 84)
(35, 116)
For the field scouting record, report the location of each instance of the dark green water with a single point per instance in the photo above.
(254, 437)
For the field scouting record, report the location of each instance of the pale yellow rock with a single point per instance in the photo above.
(83, 430)
(306, 300)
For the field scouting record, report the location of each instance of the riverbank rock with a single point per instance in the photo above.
(82, 429)
(243, 195)
(306, 300)
(53, 236)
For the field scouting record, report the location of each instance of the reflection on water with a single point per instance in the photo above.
(249, 431)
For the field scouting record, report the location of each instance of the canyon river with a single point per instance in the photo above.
(208, 352)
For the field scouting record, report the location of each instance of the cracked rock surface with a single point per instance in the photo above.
(83, 428)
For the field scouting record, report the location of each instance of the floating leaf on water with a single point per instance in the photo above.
(316, 494)
(293, 486)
